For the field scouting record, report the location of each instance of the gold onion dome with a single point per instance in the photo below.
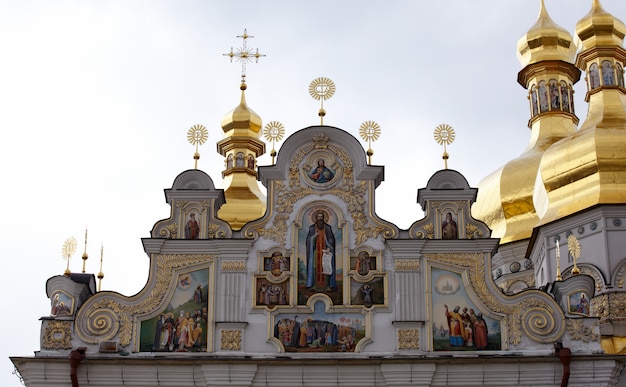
(505, 199)
(588, 168)
(242, 117)
(545, 40)
(599, 28)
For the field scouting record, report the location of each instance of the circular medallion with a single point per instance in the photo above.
(514, 267)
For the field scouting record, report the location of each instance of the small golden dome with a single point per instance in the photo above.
(545, 41)
(600, 28)
(242, 117)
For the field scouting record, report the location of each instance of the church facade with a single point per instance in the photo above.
(307, 286)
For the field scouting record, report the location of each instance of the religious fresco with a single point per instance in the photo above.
(182, 325)
(271, 294)
(362, 263)
(62, 304)
(578, 303)
(367, 293)
(320, 255)
(319, 331)
(458, 325)
(276, 264)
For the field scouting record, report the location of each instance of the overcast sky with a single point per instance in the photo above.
(96, 98)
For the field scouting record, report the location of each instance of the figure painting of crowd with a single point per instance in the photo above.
(458, 325)
(182, 326)
(312, 335)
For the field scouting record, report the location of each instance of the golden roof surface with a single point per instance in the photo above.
(506, 198)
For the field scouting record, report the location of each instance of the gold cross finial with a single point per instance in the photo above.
(244, 55)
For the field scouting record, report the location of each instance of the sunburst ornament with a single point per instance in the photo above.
(369, 131)
(573, 246)
(197, 135)
(322, 89)
(444, 135)
(67, 251)
(244, 55)
(273, 131)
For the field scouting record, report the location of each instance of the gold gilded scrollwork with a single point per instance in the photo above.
(609, 306)
(579, 331)
(230, 340)
(107, 315)
(531, 313)
(58, 335)
(430, 230)
(170, 231)
(408, 339)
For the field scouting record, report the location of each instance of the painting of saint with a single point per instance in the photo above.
(320, 255)
(321, 173)
(579, 303)
(277, 264)
(368, 293)
(192, 228)
(449, 229)
(363, 263)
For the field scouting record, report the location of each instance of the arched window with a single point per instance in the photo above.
(619, 70)
(594, 77)
(555, 100)
(533, 100)
(608, 76)
(544, 105)
(565, 97)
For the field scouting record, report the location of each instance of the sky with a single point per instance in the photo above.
(96, 98)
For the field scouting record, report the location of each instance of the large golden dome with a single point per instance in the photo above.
(505, 200)
(589, 167)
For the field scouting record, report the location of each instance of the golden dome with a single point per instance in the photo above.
(599, 28)
(589, 167)
(242, 117)
(505, 200)
(545, 41)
